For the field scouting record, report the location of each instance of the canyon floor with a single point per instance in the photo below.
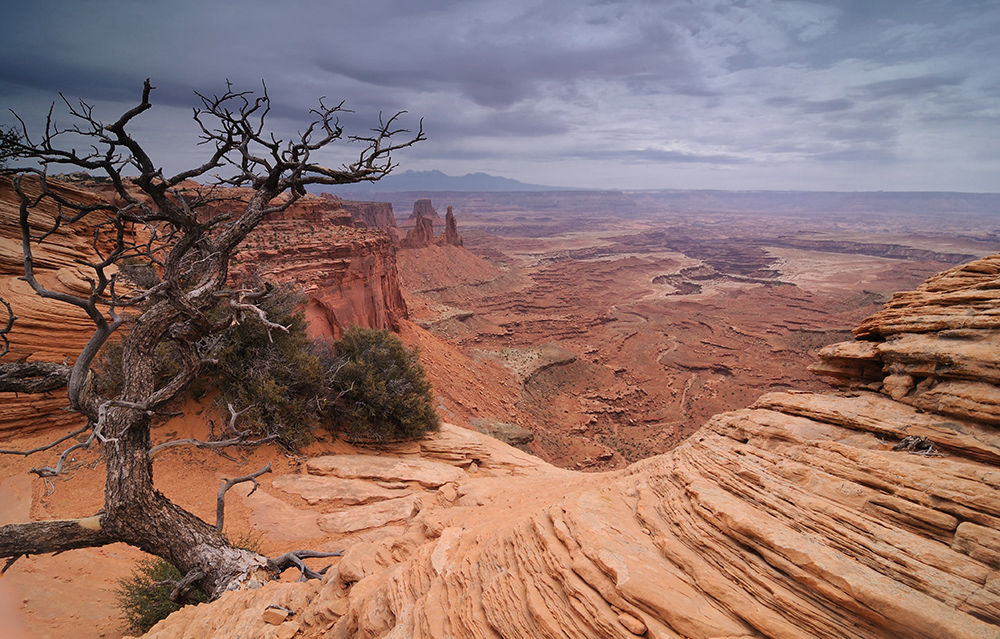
(625, 325)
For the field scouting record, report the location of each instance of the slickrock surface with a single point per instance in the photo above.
(936, 348)
(851, 514)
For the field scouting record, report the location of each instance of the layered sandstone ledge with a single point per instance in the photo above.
(869, 512)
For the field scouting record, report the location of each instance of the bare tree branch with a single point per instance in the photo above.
(186, 584)
(6, 329)
(161, 249)
(51, 444)
(38, 537)
(33, 377)
(220, 502)
(242, 440)
(295, 557)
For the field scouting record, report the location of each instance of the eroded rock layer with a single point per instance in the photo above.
(848, 514)
(348, 274)
(44, 331)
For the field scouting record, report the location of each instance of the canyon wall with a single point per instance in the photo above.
(348, 274)
(866, 512)
(375, 215)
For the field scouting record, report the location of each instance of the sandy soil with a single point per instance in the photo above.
(73, 594)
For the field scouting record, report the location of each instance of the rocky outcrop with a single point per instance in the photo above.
(348, 274)
(450, 235)
(373, 215)
(849, 514)
(421, 235)
(424, 208)
(936, 348)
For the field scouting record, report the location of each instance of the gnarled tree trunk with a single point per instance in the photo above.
(176, 232)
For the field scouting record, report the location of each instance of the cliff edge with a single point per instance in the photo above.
(871, 511)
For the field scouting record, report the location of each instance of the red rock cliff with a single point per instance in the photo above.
(349, 274)
(374, 215)
(44, 331)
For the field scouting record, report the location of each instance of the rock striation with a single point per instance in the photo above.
(348, 274)
(857, 513)
(44, 331)
(374, 215)
(936, 348)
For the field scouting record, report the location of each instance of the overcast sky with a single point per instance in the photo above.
(755, 94)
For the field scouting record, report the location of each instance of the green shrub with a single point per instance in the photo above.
(142, 598)
(367, 384)
(378, 388)
(275, 378)
(10, 142)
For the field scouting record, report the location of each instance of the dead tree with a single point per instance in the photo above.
(185, 235)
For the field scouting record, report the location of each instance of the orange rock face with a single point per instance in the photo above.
(348, 274)
(841, 514)
(44, 331)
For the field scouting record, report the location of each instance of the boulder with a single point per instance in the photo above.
(333, 491)
(429, 474)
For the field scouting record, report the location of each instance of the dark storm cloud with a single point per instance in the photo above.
(778, 93)
(911, 87)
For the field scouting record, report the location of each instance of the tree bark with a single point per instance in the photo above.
(33, 377)
(40, 537)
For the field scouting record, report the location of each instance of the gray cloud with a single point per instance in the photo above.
(910, 87)
(771, 93)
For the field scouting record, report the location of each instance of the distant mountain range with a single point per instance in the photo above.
(410, 181)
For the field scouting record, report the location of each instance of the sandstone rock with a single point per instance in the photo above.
(632, 624)
(421, 235)
(450, 235)
(370, 516)
(279, 520)
(424, 208)
(897, 386)
(333, 491)
(275, 616)
(965, 297)
(284, 631)
(934, 348)
(348, 275)
(375, 215)
(507, 433)
(426, 473)
(456, 446)
(43, 331)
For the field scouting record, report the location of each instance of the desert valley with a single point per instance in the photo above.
(649, 430)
